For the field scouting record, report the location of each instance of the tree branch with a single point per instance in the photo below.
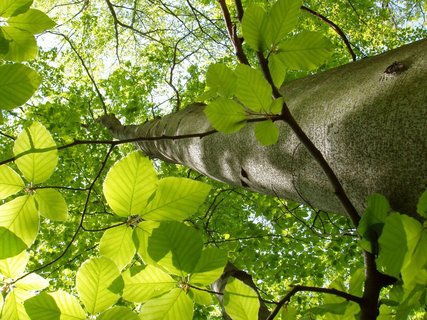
(336, 29)
(299, 288)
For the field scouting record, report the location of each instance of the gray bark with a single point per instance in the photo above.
(370, 126)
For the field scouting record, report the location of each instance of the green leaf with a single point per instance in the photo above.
(225, 115)
(356, 282)
(129, 184)
(252, 89)
(276, 106)
(201, 297)
(36, 166)
(255, 27)
(305, 51)
(422, 205)
(221, 80)
(210, 266)
(51, 204)
(10, 182)
(22, 45)
(372, 221)
(240, 301)
(4, 44)
(92, 282)
(117, 244)
(283, 17)
(17, 84)
(174, 305)
(397, 242)
(54, 306)
(33, 21)
(13, 307)
(32, 282)
(175, 246)
(176, 199)
(146, 284)
(118, 312)
(10, 8)
(266, 132)
(277, 70)
(334, 308)
(14, 267)
(20, 217)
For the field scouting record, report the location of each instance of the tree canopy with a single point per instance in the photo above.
(90, 227)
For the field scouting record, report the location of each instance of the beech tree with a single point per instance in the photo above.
(280, 165)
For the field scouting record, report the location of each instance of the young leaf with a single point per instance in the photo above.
(10, 182)
(176, 199)
(175, 246)
(201, 297)
(92, 282)
(210, 266)
(13, 307)
(174, 305)
(252, 89)
(276, 106)
(53, 306)
(38, 166)
(51, 204)
(118, 312)
(117, 244)
(33, 21)
(240, 301)
(10, 8)
(266, 132)
(146, 284)
(15, 266)
(225, 115)
(397, 242)
(32, 282)
(255, 27)
(221, 79)
(305, 51)
(277, 70)
(22, 45)
(20, 218)
(17, 84)
(283, 17)
(129, 184)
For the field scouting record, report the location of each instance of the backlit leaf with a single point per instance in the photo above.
(209, 267)
(252, 89)
(37, 166)
(57, 305)
(10, 182)
(20, 217)
(240, 301)
(15, 266)
(129, 184)
(51, 204)
(221, 79)
(174, 305)
(10, 8)
(305, 51)
(13, 308)
(22, 45)
(17, 84)
(422, 205)
(283, 17)
(225, 115)
(148, 283)
(117, 244)
(255, 27)
(175, 246)
(266, 132)
(34, 21)
(118, 312)
(32, 282)
(201, 297)
(92, 282)
(176, 199)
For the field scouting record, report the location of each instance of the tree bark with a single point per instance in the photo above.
(370, 125)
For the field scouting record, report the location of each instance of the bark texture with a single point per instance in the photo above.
(371, 126)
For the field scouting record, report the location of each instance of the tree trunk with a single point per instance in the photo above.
(370, 125)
